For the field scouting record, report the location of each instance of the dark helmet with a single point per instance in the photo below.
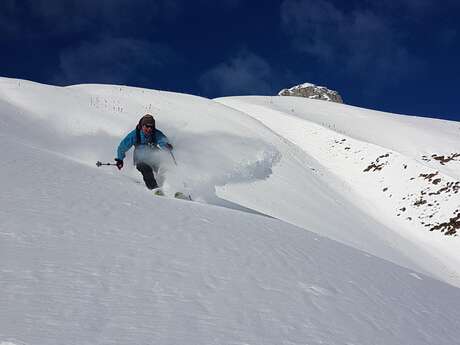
(146, 120)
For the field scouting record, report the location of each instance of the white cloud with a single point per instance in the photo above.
(246, 73)
(111, 60)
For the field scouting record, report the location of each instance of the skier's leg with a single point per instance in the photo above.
(160, 173)
(147, 174)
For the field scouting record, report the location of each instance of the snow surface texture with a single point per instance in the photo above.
(89, 256)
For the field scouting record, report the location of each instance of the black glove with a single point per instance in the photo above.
(169, 146)
(119, 163)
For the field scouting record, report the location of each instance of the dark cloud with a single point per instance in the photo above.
(246, 73)
(417, 5)
(8, 25)
(112, 61)
(222, 3)
(418, 12)
(51, 18)
(448, 36)
(358, 41)
(314, 25)
(414, 7)
(231, 3)
(60, 18)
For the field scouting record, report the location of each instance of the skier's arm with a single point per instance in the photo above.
(125, 145)
(162, 140)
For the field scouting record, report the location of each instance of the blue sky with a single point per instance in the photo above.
(397, 56)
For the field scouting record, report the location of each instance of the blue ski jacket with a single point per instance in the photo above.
(159, 139)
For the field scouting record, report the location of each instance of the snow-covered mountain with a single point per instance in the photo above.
(312, 222)
(312, 91)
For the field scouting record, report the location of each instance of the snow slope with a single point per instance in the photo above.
(383, 164)
(89, 256)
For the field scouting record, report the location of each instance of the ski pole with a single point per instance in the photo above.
(98, 164)
(172, 156)
(170, 152)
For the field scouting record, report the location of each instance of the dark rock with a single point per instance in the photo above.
(312, 91)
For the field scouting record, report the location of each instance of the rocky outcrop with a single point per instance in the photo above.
(312, 91)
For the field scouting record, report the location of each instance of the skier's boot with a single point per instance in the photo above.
(180, 195)
(158, 192)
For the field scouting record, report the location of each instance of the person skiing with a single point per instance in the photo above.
(146, 139)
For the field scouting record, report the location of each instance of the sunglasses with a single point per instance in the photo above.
(148, 126)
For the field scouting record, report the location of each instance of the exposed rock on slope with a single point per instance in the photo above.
(312, 91)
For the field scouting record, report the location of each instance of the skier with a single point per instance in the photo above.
(146, 140)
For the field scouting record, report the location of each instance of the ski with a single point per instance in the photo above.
(177, 195)
(180, 195)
